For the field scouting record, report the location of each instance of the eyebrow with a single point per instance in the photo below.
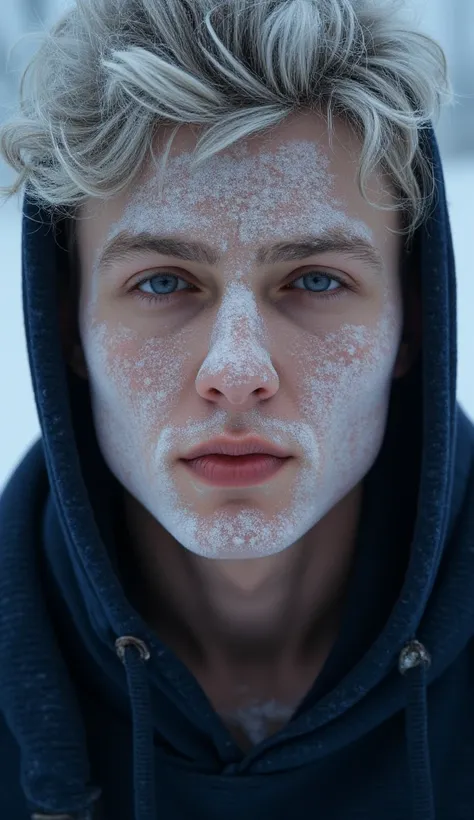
(125, 245)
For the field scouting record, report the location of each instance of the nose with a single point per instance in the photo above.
(230, 385)
(238, 370)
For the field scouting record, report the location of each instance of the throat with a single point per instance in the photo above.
(254, 708)
(251, 724)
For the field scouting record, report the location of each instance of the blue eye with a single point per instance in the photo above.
(312, 275)
(164, 277)
(169, 278)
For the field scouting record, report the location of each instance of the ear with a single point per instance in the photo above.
(410, 345)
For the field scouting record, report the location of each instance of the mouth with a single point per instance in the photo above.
(235, 471)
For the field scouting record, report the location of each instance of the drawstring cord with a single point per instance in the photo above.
(143, 747)
(414, 661)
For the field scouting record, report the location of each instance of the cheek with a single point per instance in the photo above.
(343, 388)
(129, 374)
(346, 376)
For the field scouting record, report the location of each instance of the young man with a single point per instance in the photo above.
(237, 568)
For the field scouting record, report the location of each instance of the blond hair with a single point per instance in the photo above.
(110, 71)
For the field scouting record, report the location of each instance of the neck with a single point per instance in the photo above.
(253, 620)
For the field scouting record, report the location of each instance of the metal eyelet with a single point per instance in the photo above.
(126, 640)
(413, 654)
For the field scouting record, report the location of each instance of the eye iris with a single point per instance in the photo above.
(317, 276)
(164, 276)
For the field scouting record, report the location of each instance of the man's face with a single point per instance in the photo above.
(300, 352)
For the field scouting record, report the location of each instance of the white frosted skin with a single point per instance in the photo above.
(254, 720)
(344, 376)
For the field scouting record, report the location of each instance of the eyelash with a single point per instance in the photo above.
(167, 297)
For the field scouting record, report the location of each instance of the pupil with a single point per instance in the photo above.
(161, 279)
(318, 277)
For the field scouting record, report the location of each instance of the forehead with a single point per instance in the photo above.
(269, 186)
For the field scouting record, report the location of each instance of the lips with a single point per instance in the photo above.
(236, 471)
(226, 446)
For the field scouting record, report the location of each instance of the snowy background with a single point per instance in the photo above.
(451, 22)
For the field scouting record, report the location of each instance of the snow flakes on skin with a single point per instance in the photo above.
(344, 377)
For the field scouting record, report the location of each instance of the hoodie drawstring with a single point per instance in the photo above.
(143, 745)
(413, 662)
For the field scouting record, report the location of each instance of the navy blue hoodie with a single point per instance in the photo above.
(100, 719)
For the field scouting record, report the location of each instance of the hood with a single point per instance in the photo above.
(67, 623)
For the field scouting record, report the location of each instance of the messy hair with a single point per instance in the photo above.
(109, 72)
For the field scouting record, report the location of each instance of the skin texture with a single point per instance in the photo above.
(245, 585)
